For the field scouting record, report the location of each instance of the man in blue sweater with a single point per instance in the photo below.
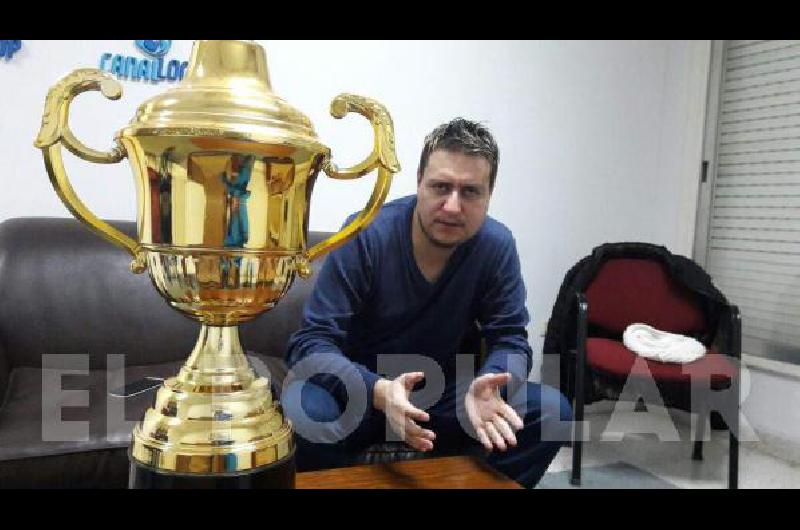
(391, 308)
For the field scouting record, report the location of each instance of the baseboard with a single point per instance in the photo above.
(772, 367)
(777, 446)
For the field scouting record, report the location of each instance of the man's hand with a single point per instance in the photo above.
(493, 419)
(392, 398)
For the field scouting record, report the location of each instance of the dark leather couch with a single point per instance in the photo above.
(69, 301)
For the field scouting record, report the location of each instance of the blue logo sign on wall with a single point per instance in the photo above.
(153, 67)
(154, 48)
(9, 47)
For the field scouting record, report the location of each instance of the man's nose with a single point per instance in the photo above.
(453, 202)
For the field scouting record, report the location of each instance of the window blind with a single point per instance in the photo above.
(753, 249)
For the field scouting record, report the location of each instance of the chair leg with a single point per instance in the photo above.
(717, 422)
(570, 382)
(733, 463)
(733, 444)
(577, 436)
(697, 452)
(700, 430)
(577, 444)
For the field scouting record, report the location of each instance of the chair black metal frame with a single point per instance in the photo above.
(733, 349)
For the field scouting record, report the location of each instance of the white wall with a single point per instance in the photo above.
(600, 141)
(769, 407)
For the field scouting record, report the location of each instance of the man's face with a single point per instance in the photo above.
(453, 197)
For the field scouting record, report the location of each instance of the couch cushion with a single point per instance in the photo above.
(33, 454)
(613, 358)
(101, 468)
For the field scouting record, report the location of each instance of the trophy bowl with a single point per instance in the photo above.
(224, 171)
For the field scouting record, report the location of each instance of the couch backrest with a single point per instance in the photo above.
(64, 290)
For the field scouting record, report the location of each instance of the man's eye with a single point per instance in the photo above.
(440, 186)
(471, 192)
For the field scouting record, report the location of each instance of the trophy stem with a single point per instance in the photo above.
(217, 363)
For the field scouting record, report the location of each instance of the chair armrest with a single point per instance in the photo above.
(580, 349)
(735, 338)
(582, 324)
(728, 338)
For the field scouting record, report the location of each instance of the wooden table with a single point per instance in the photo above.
(429, 473)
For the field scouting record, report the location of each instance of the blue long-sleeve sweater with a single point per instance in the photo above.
(371, 298)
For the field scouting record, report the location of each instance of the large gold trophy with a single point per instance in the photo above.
(224, 171)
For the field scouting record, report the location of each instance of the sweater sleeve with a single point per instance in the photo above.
(342, 286)
(503, 318)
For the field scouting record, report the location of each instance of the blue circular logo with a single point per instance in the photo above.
(154, 48)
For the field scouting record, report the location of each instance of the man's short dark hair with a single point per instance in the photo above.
(461, 136)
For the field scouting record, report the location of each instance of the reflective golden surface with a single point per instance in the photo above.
(224, 171)
(215, 416)
(221, 289)
(223, 230)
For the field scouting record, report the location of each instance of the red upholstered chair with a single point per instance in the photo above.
(638, 290)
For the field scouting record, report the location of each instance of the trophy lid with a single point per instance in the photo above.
(226, 93)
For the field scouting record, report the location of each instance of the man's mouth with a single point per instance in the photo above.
(450, 224)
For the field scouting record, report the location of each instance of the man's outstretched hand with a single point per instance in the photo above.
(391, 396)
(492, 418)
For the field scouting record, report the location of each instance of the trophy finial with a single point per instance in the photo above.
(228, 61)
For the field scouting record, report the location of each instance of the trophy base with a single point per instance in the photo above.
(279, 475)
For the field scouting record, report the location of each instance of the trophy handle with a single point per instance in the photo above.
(55, 132)
(382, 157)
